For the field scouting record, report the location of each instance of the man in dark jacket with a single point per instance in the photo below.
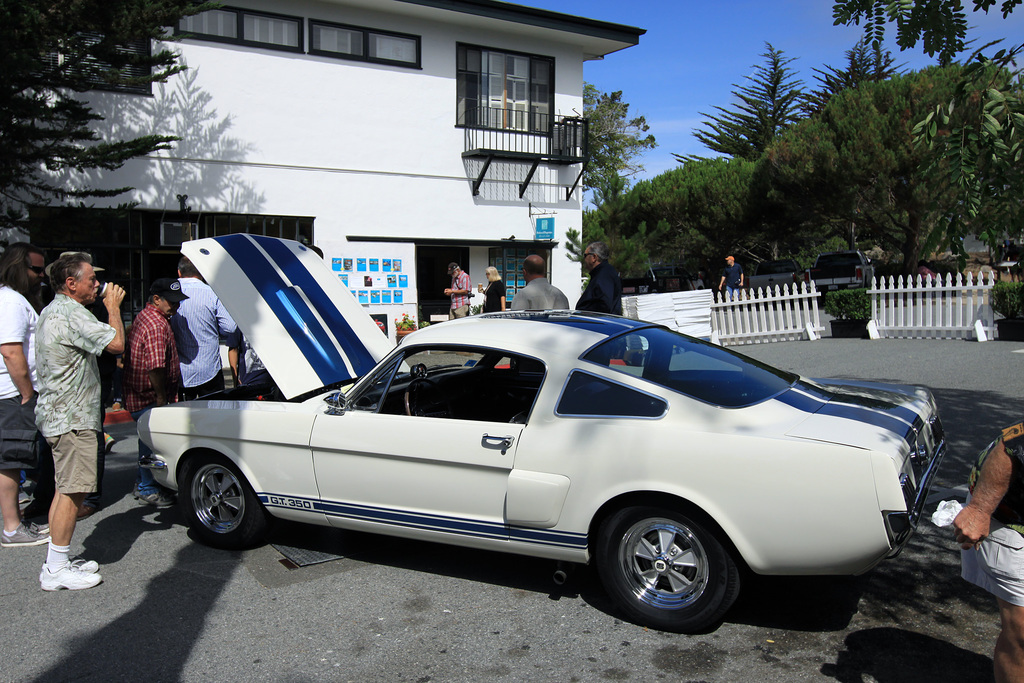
(604, 291)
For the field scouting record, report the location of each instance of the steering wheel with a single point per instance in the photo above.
(424, 398)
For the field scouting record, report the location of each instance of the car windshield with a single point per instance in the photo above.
(692, 367)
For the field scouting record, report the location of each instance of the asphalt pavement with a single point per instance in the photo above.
(170, 609)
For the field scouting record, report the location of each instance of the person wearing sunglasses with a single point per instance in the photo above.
(604, 291)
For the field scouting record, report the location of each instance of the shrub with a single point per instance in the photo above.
(1008, 299)
(848, 304)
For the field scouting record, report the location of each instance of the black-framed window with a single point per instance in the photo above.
(363, 44)
(96, 70)
(504, 90)
(244, 27)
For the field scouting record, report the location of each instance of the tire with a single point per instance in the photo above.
(219, 505)
(665, 570)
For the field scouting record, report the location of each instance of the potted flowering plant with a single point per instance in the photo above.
(404, 325)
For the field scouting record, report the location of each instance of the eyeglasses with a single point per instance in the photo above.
(38, 270)
(588, 253)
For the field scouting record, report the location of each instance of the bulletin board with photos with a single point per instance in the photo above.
(509, 263)
(373, 280)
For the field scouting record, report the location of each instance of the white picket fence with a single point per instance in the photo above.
(787, 313)
(782, 314)
(946, 307)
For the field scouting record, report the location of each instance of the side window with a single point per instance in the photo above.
(587, 395)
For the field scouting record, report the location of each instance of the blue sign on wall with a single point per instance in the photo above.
(544, 228)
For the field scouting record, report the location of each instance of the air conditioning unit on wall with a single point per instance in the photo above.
(173, 234)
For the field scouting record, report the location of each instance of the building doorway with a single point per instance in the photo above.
(432, 276)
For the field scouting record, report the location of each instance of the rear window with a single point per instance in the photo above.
(830, 260)
(776, 267)
(691, 367)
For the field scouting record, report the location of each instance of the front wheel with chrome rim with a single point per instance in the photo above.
(665, 569)
(219, 505)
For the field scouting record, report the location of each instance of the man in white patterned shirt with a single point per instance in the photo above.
(68, 340)
(199, 324)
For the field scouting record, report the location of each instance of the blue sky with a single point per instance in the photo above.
(693, 53)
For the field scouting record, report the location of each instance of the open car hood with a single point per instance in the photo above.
(302, 322)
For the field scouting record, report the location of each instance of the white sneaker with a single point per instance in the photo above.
(70, 577)
(86, 566)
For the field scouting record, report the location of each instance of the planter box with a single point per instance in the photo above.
(849, 329)
(1010, 329)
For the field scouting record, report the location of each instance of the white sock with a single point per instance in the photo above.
(10, 534)
(57, 557)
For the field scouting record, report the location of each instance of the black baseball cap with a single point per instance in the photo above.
(452, 266)
(168, 288)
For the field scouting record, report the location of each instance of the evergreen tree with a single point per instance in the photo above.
(615, 140)
(864, 63)
(767, 105)
(50, 52)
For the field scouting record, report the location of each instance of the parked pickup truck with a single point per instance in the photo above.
(771, 273)
(840, 270)
(659, 278)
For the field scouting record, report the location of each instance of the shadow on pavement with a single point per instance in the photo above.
(154, 639)
(894, 655)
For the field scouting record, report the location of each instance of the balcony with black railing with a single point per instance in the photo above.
(513, 134)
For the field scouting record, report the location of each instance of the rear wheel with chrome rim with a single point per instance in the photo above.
(665, 569)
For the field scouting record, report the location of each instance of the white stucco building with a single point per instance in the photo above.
(395, 135)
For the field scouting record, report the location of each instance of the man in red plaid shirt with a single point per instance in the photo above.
(151, 374)
(460, 291)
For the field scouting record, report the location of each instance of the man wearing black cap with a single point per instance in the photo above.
(460, 291)
(151, 374)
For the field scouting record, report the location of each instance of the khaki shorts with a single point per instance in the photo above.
(74, 460)
(460, 312)
(998, 564)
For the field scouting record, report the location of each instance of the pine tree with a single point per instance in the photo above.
(50, 52)
(864, 63)
(767, 105)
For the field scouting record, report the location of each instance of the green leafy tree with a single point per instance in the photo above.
(940, 25)
(615, 140)
(50, 52)
(857, 163)
(767, 105)
(613, 220)
(982, 156)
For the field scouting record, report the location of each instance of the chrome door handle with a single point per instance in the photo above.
(504, 441)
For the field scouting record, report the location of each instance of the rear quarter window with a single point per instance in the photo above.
(587, 395)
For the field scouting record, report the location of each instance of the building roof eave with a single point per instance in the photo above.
(600, 37)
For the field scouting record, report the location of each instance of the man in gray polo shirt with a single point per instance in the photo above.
(68, 340)
(538, 294)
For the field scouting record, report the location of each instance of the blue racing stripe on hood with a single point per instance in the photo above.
(314, 342)
(361, 360)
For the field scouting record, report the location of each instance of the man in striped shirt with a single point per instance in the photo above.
(199, 324)
(460, 291)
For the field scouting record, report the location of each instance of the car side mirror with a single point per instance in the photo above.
(335, 403)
